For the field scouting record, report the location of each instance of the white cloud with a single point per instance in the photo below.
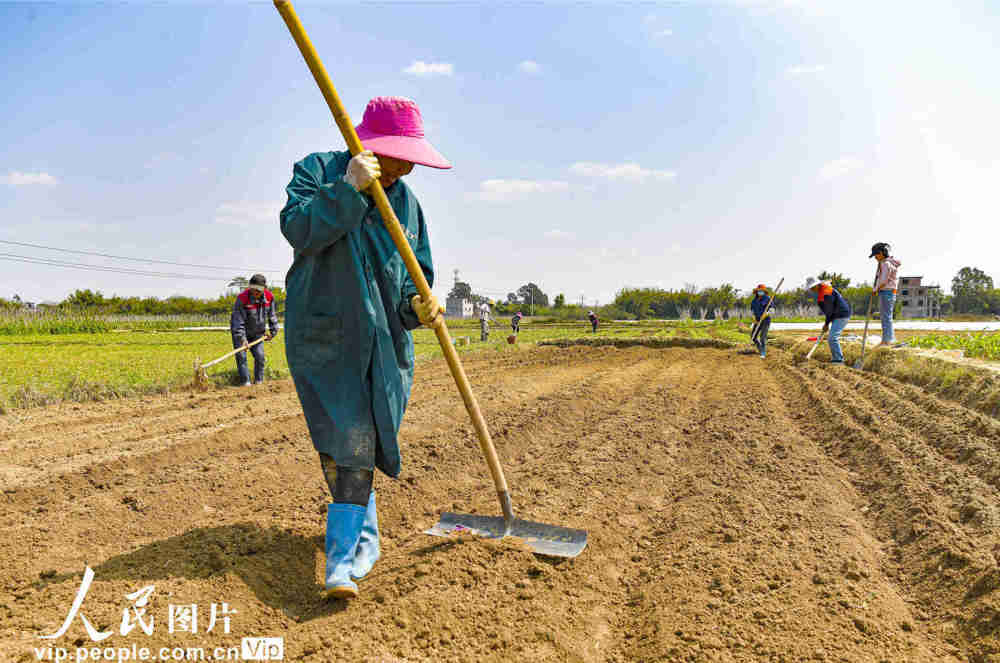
(17, 178)
(530, 67)
(421, 68)
(557, 234)
(611, 255)
(804, 69)
(663, 33)
(503, 190)
(247, 214)
(839, 168)
(632, 172)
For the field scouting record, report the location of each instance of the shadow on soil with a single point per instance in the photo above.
(278, 566)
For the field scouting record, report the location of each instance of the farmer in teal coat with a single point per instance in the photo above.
(350, 308)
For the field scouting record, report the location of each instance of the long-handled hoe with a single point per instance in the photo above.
(757, 325)
(201, 377)
(541, 538)
(816, 344)
(868, 318)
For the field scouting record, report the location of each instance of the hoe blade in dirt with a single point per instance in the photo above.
(551, 540)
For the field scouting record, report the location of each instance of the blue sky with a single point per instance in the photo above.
(595, 146)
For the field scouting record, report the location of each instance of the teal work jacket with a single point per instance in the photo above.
(348, 315)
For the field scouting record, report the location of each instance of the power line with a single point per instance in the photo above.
(101, 268)
(147, 260)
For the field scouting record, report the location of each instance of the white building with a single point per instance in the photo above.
(458, 308)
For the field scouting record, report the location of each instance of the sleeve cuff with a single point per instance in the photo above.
(406, 313)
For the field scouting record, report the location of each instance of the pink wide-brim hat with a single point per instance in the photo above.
(393, 127)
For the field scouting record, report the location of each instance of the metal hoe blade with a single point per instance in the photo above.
(542, 539)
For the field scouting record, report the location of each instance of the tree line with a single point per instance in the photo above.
(972, 292)
(94, 302)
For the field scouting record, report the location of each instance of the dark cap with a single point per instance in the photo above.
(880, 247)
(258, 281)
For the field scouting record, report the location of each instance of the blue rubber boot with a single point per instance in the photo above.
(343, 529)
(369, 549)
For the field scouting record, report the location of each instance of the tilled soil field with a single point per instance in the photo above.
(738, 510)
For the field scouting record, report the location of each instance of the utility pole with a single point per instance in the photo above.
(531, 311)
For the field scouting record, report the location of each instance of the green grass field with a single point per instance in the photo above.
(42, 368)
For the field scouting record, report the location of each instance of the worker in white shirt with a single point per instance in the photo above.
(484, 321)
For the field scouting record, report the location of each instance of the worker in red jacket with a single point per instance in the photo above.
(253, 316)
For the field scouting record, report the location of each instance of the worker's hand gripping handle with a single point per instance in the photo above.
(402, 245)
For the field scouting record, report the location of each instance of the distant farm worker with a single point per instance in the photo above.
(885, 289)
(762, 317)
(350, 310)
(484, 322)
(593, 321)
(515, 322)
(837, 312)
(253, 316)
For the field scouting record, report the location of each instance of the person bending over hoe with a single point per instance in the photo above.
(885, 289)
(351, 307)
(253, 316)
(515, 322)
(758, 306)
(593, 321)
(837, 311)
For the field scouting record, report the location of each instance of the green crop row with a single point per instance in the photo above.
(42, 366)
(45, 367)
(982, 345)
(27, 323)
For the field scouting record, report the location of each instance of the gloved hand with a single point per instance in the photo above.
(429, 313)
(362, 170)
(270, 336)
(766, 315)
(826, 328)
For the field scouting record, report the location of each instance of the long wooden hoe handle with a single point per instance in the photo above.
(413, 267)
(868, 317)
(243, 347)
(756, 325)
(816, 345)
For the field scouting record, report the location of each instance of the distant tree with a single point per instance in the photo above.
(970, 291)
(85, 299)
(560, 300)
(720, 300)
(239, 282)
(858, 297)
(530, 294)
(838, 281)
